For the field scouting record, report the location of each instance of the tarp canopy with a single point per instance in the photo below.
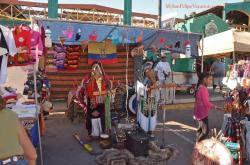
(161, 39)
(227, 42)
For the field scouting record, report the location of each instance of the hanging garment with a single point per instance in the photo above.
(232, 133)
(60, 56)
(72, 57)
(106, 53)
(147, 121)
(51, 59)
(36, 45)
(4, 46)
(3, 51)
(7, 43)
(96, 127)
(247, 125)
(22, 36)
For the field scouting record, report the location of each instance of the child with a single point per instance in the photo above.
(202, 106)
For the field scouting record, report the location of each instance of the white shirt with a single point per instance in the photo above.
(12, 51)
(161, 68)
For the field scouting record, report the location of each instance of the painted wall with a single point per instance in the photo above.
(242, 6)
(197, 25)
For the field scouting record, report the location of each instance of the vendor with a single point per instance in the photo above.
(151, 96)
(95, 87)
(150, 78)
(218, 71)
(15, 145)
(163, 71)
(149, 74)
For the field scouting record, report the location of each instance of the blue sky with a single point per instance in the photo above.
(151, 6)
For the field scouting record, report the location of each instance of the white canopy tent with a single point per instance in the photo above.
(226, 43)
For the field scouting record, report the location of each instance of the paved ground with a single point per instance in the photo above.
(181, 130)
(60, 148)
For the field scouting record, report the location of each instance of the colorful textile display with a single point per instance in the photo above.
(246, 129)
(51, 59)
(60, 56)
(42, 83)
(8, 93)
(29, 46)
(105, 52)
(246, 76)
(233, 134)
(238, 75)
(236, 101)
(36, 43)
(72, 57)
(7, 48)
(22, 36)
(63, 57)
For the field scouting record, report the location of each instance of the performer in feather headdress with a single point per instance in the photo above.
(93, 94)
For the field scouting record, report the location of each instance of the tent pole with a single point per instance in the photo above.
(36, 101)
(127, 83)
(234, 57)
(159, 13)
(37, 114)
(202, 55)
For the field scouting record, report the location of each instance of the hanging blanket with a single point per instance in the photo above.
(102, 51)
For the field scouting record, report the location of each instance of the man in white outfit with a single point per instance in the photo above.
(163, 71)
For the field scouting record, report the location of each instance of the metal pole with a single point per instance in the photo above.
(159, 13)
(234, 60)
(53, 8)
(36, 101)
(224, 15)
(202, 54)
(149, 112)
(163, 119)
(127, 12)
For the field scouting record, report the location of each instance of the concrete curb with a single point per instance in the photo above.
(183, 104)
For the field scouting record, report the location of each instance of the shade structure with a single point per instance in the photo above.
(226, 43)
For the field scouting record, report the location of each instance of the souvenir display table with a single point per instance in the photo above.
(27, 113)
(235, 127)
(23, 45)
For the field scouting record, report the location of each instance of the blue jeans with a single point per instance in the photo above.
(19, 162)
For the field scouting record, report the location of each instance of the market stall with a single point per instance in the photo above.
(100, 55)
(235, 45)
(21, 46)
(228, 43)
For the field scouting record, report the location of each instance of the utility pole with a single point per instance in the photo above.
(127, 12)
(53, 9)
(159, 12)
